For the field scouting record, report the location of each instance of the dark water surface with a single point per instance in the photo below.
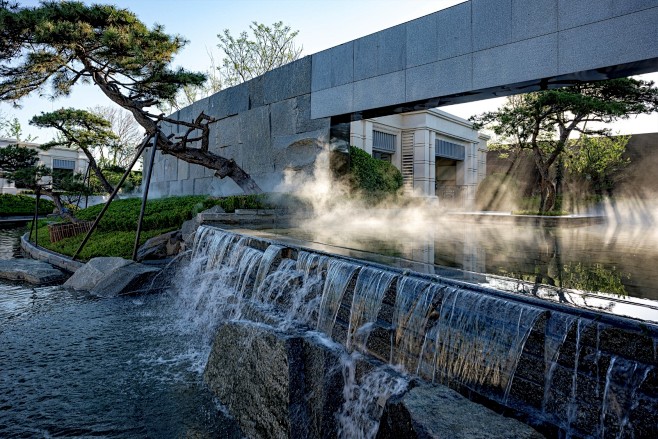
(76, 366)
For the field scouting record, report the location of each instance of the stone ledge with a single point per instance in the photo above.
(31, 271)
(56, 259)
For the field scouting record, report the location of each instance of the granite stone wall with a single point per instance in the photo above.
(474, 50)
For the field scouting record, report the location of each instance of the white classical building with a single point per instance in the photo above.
(439, 154)
(57, 159)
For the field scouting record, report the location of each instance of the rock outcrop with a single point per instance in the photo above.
(161, 246)
(31, 271)
(110, 276)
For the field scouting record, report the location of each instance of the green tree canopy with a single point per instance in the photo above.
(245, 58)
(20, 164)
(79, 129)
(543, 121)
(60, 44)
(599, 159)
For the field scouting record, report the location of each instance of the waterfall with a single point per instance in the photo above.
(339, 275)
(414, 303)
(557, 329)
(371, 285)
(477, 342)
(441, 331)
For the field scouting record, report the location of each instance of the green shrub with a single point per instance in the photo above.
(23, 205)
(373, 177)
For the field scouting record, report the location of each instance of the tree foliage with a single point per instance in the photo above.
(599, 159)
(79, 129)
(374, 178)
(245, 58)
(20, 165)
(543, 121)
(60, 44)
(128, 137)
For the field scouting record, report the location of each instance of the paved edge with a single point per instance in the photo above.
(56, 259)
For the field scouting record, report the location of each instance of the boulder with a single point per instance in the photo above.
(110, 276)
(435, 411)
(188, 230)
(31, 271)
(161, 246)
(86, 277)
(274, 384)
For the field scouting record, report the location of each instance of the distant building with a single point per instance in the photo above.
(439, 154)
(60, 160)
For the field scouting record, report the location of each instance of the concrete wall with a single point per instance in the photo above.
(483, 48)
(474, 50)
(265, 125)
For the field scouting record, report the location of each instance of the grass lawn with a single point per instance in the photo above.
(115, 235)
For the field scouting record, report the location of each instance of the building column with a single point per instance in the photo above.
(423, 181)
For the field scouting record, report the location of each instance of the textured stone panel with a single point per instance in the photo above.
(183, 170)
(228, 132)
(202, 186)
(304, 122)
(333, 67)
(619, 40)
(391, 50)
(256, 137)
(532, 18)
(170, 168)
(440, 78)
(229, 102)
(621, 7)
(223, 187)
(176, 188)
(379, 91)
(332, 101)
(454, 31)
(288, 81)
(159, 189)
(492, 23)
(196, 171)
(284, 117)
(256, 94)
(365, 57)
(187, 187)
(572, 13)
(422, 41)
(502, 65)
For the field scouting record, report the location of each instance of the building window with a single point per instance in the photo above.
(449, 150)
(383, 142)
(63, 164)
(382, 156)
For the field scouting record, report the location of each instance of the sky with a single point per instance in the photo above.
(321, 24)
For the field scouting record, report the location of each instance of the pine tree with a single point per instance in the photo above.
(60, 44)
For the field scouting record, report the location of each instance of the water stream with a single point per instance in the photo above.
(72, 364)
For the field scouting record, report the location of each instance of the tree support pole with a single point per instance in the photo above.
(34, 222)
(145, 195)
(114, 193)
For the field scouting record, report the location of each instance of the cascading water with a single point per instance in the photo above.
(371, 285)
(442, 332)
(339, 274)
(415, 301)
(477, 342)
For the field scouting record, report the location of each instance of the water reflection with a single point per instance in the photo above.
(10, 242)
(590, 259)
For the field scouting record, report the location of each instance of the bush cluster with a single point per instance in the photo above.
(11, 205)
(115, 234)
(371, 176)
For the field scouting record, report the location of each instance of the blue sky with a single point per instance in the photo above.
(321, 24)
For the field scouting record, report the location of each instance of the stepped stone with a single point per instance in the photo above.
(434, 411)
(110, 276)
(161, 246)
(31, 271)
(276, 385)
